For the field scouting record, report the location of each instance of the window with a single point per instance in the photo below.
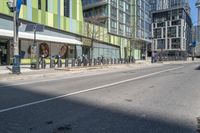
(171, 32)
(113, 24)
(121, 4)
(46, 5)
(24, 2)
(161, 44)
(113, 12)
(39, 4)
(176, 43)
(157, 33)
(121, 16)
(66, 8)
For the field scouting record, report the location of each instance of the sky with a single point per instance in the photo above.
(193, 11)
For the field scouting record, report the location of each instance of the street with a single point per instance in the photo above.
(162, 99)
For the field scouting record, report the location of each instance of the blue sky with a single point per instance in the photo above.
(194, 11)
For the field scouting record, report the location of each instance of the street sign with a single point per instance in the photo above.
(18, 7)
(34, 27)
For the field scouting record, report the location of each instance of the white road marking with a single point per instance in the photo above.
(88, 90)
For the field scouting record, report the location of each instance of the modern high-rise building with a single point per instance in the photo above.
(196, 29)
(171, 28)
(198, 7)
(128, 18)
(141, 25)
(169, 4)
(66, 33)
(113, 14)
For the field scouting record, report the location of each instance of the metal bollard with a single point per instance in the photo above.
(99, 61)
(52, 63)
(73, 62)
(59, 61)
(118, 61)
(85, 62)
(66, 62)
(43, 63)
(121, 61)
(79, 62)
(95, 62)
(90, 62)
(115, 61)
(133, 60)
(111, 60)
(108, 61)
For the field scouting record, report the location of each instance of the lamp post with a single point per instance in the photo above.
(14, 7)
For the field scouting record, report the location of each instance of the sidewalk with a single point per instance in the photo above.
(27, 73)
(27, 69)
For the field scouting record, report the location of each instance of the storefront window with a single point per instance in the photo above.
(47, 49)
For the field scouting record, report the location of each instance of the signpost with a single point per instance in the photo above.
(34, 48)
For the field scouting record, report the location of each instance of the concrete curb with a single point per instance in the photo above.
(62, 71)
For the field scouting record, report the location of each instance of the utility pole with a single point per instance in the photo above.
(14, 7)
(16, 58)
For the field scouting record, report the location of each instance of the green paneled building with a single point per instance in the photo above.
(65, 32)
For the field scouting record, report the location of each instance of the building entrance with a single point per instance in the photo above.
(86, 51)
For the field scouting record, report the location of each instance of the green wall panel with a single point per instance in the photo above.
(55, 21)
(55, 6)
(1, 5)
(40, 16)
(43, 18)
(67, 25)
(25, 12)
(35, 3)
(35, 15)
(62, 23)
(43, 4)
(51, 18)
(74, 9)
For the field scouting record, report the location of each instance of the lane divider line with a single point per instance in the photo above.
(88, 90)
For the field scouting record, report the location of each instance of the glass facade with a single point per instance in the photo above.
(106, 51)
(113, 14)
(143, 19)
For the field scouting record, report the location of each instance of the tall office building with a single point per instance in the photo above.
(113, 14)
(171, 28)
(141, 23)
(169, 4)
(197, 27)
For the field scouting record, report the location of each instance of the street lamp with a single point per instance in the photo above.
(14, 7)
(11, 5)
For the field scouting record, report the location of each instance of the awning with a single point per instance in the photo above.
(39, 37)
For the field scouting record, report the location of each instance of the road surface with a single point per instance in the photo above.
(163, 99)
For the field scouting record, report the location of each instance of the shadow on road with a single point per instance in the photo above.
(70, 115)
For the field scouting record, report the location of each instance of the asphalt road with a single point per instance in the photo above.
(162, 99)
